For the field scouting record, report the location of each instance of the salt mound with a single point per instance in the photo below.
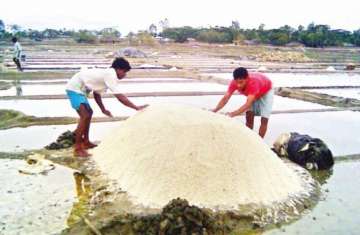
(330, 68)
(171, 151)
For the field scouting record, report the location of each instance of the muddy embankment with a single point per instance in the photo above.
(319, 98)
(11, 118)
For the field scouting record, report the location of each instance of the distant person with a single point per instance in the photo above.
(17, 53)
(258, 89)
(96, 81)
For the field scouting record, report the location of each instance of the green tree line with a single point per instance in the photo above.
(81, 36)
(312, 36)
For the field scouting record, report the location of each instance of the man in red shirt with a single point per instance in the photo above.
(258, 89)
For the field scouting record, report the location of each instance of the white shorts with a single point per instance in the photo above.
(263, 106)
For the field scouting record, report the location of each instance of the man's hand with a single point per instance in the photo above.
(107, 113)
(231, 114)
(250, 100)
(141, 107)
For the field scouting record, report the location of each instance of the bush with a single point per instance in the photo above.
(145, 38)
(279, 38)
(84, 36)
(141, 38)
(109, 35)
(180, 34)
(212, 36)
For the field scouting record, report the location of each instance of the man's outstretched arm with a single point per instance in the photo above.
(223, 102)
(250, 100)
(125, 101)
(99, 102)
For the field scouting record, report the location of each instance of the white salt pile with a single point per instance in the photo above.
(330, 68)
(170, 151)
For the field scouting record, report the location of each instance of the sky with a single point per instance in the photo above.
(134, 15)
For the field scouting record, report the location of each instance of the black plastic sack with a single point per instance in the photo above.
(311, 153)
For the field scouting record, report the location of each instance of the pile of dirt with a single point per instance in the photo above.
(177, 217)
(281, 56)
(130, 52)
(65, 140)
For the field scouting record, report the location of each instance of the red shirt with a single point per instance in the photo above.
(258, 85)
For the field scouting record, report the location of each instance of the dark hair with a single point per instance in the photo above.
(121, 63)
(14, 39)
(240, 73)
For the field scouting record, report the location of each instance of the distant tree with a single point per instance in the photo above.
(2, 29)
(214, 36)
(85, 36)
(51, 33)
(69, 33)
(132, 39)
(356, 37)
(109, 35)
(180, 34)
(311, 27)
(312, 39)
(262, 34)
(153, 30)
(164, 24)
(261, 27)
(296, 34)
(317, 36)
(279, 37)
(252, 34)
(287, 29)
(35, 35)
(2, 26)
(15, 28)
(235, 25)
(235, 32)
(314, 35)
(145, 38)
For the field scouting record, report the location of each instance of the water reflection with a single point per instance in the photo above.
(17, 84)
(81, 207)
(322, 176)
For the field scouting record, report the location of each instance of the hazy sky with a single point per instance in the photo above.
(133, 15)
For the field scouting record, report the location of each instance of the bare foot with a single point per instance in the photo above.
(79, 152)
(89, 145)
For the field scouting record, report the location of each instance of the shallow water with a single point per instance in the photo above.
(35, 204)
(20, 90)
(122, 88)
(61, 107)
(36, 137)
(339, 212)
(141, 80)
(38, 80)
(297, 80)
(339, 130)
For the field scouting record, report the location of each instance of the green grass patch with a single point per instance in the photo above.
(5, 85)
(12, 118)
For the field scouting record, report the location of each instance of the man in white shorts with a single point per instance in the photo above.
(260, 95)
